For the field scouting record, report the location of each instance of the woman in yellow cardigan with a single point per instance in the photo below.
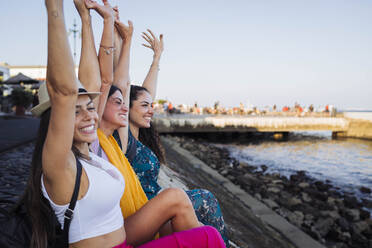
(143, 218)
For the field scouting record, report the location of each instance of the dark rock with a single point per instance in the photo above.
(299, 176)
(249, 180)
(274, 190)
(332, 214)
(305, 197)
(296, 218)
(351, 202)
(364, 214)
(359, 240)
(303, 185)
(264, 168)
(368, 233)
(367, 203)
(323, 226)
(359, 227)
(365, 190)
(322, 186)
(352, 214)
(344, 224)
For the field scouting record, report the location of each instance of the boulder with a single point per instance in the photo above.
(351, 201)
(303, 185)
(323, 226)
(274, 190)
(365, 190)
(332, 214)
(305, 197)
(359, 227)
(296, 218)
(364, 214)
(293, 201)
(352, 214)
(344, 224)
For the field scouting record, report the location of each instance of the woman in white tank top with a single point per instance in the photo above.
(68, 124)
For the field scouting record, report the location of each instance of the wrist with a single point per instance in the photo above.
(108, 20)
(156, 60)
(86, 19)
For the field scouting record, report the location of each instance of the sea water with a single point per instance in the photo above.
(347, 163)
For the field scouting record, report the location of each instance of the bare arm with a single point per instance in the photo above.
(121, 75)
(117, 39)
(57, 159)
(106, 51)
(89, 74)
(155, 44)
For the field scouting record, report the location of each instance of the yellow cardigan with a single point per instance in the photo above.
(134, 197)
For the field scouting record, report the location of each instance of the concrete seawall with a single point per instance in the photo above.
(340, 126)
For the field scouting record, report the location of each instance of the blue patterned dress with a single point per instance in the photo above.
(146, 165)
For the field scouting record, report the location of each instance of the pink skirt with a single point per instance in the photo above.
(200, 237)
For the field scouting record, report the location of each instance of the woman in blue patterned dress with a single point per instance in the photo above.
(143, 148)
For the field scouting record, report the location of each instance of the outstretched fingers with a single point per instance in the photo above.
(105, 10)
(154, 43)
(125, 31)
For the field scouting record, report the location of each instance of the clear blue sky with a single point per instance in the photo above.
(257, 52)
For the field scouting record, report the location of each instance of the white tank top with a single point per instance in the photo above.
(98, 212)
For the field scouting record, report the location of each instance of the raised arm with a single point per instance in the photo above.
(89, 74)
(155, 44)
(57, 159)
(121, 74)
(106, 50)
(117, 38)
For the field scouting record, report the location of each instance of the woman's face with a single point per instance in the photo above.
(116, 113)
(141, 111)
(86, 119)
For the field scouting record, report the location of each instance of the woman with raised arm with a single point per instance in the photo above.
(68, 124)
(142, 218)
(143, 148)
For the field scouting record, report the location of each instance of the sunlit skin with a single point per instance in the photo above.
(86, 121)
(141, 111)
(116, 113)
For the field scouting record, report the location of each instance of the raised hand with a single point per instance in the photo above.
(154, 43)
(81, 8)
(125, 31)
(116, 13)
(104, 10)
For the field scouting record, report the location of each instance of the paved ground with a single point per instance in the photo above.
(15, 131)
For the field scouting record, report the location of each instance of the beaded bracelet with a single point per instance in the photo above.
(108, 49)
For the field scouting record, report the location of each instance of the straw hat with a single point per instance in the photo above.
(44, 100)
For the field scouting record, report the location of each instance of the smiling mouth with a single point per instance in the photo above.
(147, 118)
(88, 129)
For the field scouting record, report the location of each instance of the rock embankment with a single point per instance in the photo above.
(334, 218)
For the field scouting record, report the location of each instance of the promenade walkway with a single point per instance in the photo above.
(15, 130)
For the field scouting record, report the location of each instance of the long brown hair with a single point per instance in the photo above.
(37, 206)
(42, 216)
(148, 136)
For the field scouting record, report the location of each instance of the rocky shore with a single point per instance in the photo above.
(335, 218)
(14, 171)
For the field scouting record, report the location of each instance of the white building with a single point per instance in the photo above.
(4, 72)
(37, 72)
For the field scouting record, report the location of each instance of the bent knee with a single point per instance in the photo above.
(178, 197)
